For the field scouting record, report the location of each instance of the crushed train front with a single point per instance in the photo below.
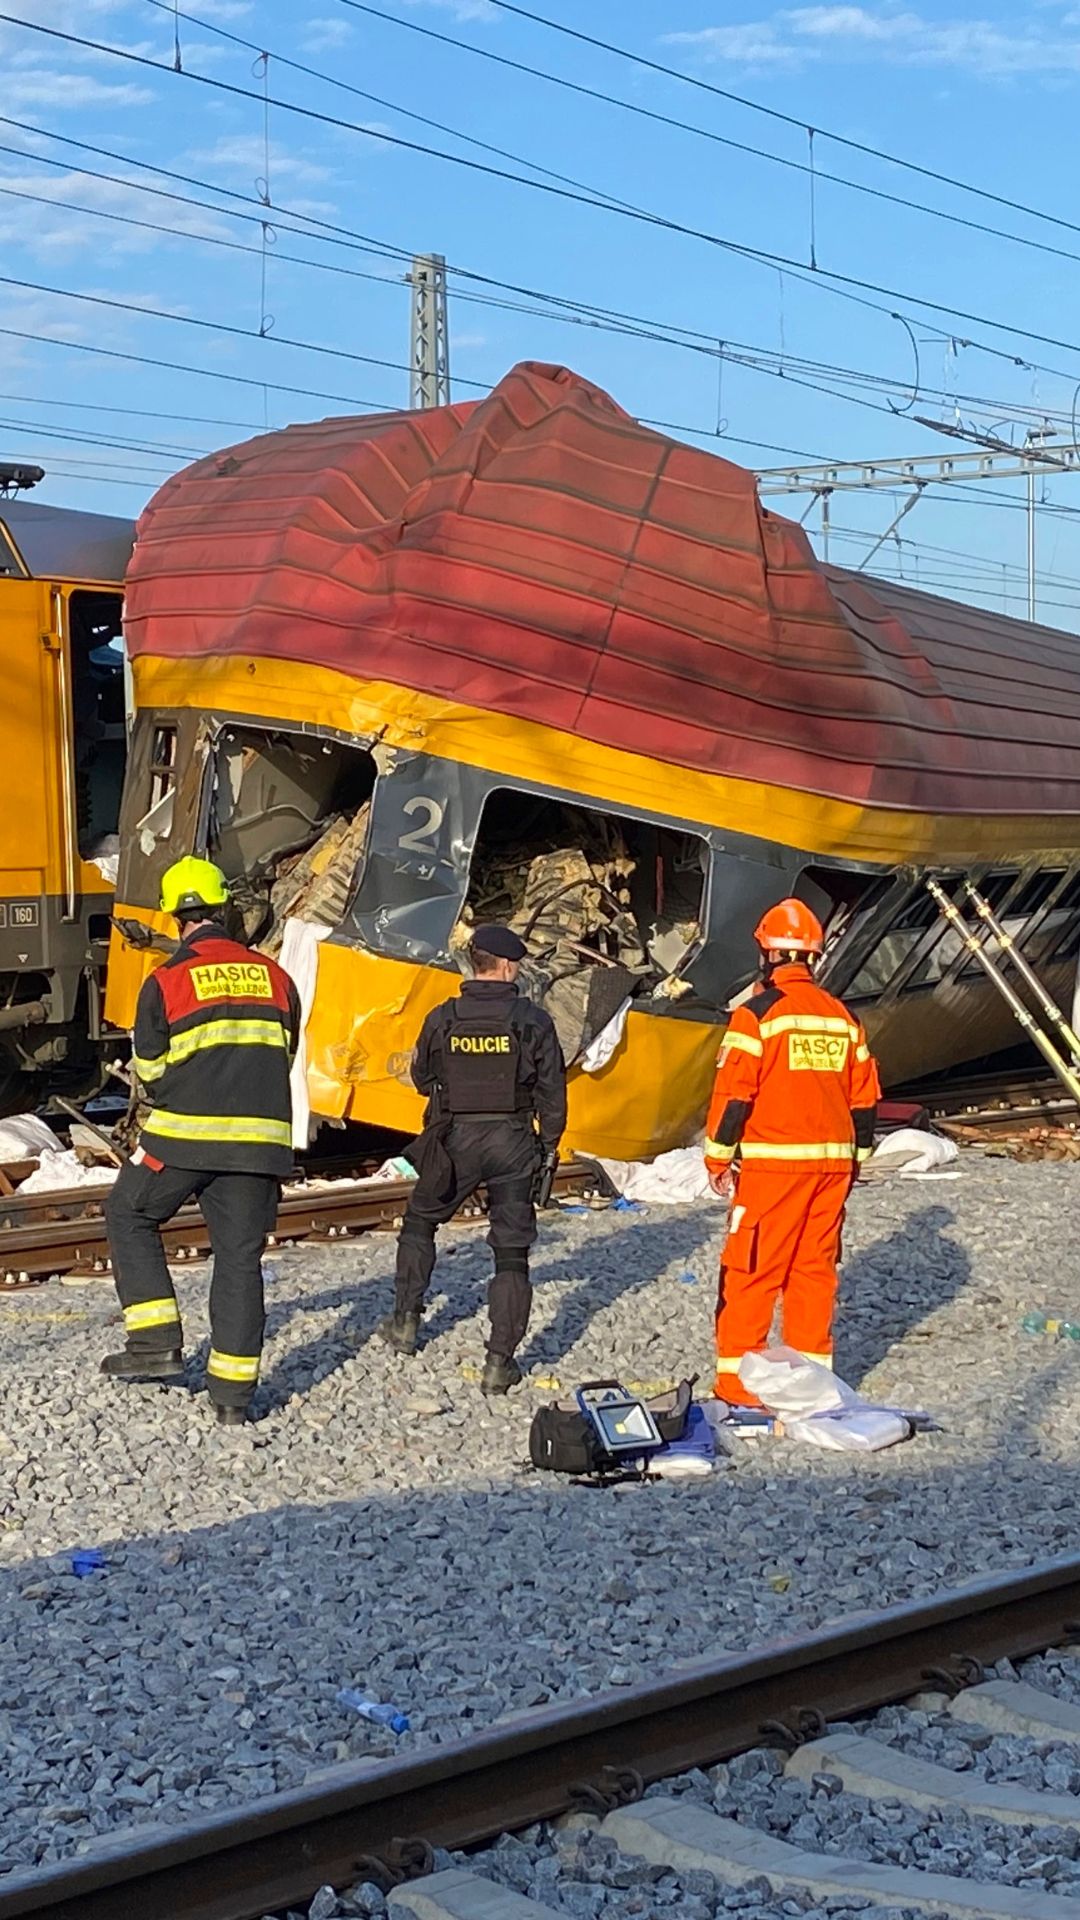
(526, 660)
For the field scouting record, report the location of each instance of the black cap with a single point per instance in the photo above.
(500, 942)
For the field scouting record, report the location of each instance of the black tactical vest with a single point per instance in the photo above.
(480, 1059)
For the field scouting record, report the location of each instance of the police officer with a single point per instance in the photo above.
(215, 1030)
(490, 1064)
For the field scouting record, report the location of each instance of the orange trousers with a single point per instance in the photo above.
(783, 1241)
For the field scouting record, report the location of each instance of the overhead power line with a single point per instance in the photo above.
(787, 119)
(203, 373)
(211, 326)
(829, 278)
(816, 174)
(552, 306)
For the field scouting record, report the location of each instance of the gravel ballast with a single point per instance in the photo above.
(375, 1529)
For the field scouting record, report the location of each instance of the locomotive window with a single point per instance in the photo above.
(98, 716)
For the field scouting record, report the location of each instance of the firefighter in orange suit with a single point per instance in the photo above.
(793, 1109)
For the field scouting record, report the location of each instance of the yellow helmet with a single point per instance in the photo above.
(192, 882)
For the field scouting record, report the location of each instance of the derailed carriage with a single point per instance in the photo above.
(526, 658)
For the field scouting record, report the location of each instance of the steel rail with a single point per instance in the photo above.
(70, 1232)
(236, 1866)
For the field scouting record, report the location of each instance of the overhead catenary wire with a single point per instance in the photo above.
(213, 326)
(754, 359)
(583, 313)
(813, 173)
(827, 278)
(203, 373)
(788, 119)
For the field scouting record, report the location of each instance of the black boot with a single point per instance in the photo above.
(133, 1364)
(231, 1416)
(400, 1331)
(500, 1374)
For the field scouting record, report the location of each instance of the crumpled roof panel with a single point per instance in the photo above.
(539, 553)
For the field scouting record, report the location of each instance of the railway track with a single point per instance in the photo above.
(45, 1235)
(381, 1821)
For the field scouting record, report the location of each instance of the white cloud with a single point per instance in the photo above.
(223, 10)
(46, 87)
(461, 9)
(745, 46)
(321, 35)
(794, 36)
(52, 232)
(244, 153)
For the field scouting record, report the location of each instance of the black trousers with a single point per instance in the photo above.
(503, 1155)
(239, 1210)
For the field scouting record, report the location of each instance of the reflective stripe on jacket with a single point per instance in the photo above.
(796, 1088)
(215, 1031)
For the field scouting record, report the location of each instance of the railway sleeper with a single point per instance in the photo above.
(686, 1838)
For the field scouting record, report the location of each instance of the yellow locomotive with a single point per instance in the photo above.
(62, 749)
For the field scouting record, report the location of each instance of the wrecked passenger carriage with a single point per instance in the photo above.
(524, 658)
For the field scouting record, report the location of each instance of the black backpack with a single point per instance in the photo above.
(561, 1440)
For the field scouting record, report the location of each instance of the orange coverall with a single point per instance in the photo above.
(793, 1107)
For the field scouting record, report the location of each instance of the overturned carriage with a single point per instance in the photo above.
(524, 658)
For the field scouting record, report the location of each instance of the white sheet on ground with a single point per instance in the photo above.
(672, 1179)
(24, 1137)
(909, 1150)
(300, 959)
(62, 1168)
(816, 1406)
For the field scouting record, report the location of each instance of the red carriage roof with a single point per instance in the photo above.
(539, 554)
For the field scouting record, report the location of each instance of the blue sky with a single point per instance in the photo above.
(985, 92)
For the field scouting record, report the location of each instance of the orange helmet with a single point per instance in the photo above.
(790, 927)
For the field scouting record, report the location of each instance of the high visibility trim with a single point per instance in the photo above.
(823, 1359)
(226, 1033)
(862, 1052)
(814, 1150)
(151, 1313)
(807, 1023)
(242, 1367)
(714, 1150)
(729, 1366)
(743, 1042)
(234, 1129)
(149, 1070)
(863, 1153)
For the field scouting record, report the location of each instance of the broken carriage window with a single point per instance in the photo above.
(610, 906)
(162, 764)
(156, 822)
(288, 824)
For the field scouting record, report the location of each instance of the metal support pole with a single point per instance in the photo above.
(1027, 973)
(825, 524)
(1031, 542)
(429, 339)
(1069, 1079)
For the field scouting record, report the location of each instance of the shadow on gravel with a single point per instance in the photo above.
(883, 1290)
(600, 1273)
(200, 1669)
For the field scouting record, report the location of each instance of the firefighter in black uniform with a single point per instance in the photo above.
(492, 1068)
(215, 1030)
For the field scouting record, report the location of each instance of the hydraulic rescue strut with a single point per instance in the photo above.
(1064, 1068)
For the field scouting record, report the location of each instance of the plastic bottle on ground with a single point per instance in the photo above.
(1048, 1323)
(391, 1717)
